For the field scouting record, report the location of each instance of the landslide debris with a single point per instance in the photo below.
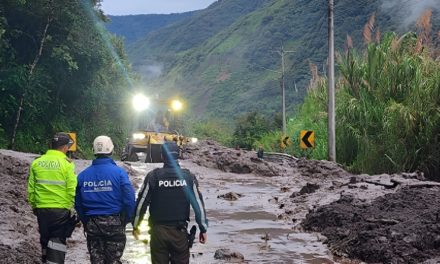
(18, 228)
(227, 254)
(320, 168)
(308, 188)
(230, 196)
(401, 227)
(210, 154)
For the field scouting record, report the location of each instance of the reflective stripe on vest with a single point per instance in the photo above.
(51, 182)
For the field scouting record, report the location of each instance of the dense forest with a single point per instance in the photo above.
(59, 71)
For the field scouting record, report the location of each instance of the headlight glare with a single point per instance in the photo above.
(138, 136)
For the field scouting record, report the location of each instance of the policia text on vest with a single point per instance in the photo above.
(175, 183)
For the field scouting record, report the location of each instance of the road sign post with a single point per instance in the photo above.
(307, 139)
(73, 148)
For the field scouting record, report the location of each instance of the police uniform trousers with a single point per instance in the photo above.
(169, 244)
(52, 225)
(105, 239)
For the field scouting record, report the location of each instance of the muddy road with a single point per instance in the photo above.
(275, 210)
(248, 225)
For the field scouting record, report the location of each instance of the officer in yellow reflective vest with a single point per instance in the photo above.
(51, 193)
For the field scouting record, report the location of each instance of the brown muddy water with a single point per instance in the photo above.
(239, 225)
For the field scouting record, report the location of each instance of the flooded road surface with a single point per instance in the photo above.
(240, 225)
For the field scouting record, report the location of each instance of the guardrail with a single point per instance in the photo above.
(275, 156)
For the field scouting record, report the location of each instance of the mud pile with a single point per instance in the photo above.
(19, 239)
(375, 218)
(210, 154)
(401, 227)
(319, 168)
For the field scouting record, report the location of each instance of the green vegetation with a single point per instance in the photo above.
(222, 59)
(382, 126)
(134, 27)
(388, 108)
(61, 71)
(225, 55)
(192, 31)
(210, 130)
(312, 115)
(228, 69)
(249, 129)
(58, 72)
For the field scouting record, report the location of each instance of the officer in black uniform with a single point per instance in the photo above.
(169, 192)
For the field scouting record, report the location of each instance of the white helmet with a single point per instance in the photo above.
(102, 145)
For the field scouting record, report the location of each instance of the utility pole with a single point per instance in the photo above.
(283, 90)
(331, 84)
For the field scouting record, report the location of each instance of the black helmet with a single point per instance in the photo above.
(170, 151)
(61, 139)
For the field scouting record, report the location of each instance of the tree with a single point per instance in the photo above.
(48, 7)
(250, 128)
(60, 71)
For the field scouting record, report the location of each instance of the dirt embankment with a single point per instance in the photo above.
(18, 228)
(402, 227)
(372, 218)
(212, 155)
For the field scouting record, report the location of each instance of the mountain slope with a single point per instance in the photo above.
(234, 69)
(192, 31)
(134, 27)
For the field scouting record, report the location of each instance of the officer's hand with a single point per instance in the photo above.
(136, 233)
(203, 237)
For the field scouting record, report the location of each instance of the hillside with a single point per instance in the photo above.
(158, 50)
(134, 27)
(224, 59)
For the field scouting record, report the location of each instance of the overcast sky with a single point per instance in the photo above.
(131, 7)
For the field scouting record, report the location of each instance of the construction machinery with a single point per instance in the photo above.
(148, 143)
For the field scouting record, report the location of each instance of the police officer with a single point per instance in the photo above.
(169, 192)
(51, 191)
(105, 202)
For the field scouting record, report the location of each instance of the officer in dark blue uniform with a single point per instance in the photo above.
(105, 202)
(169, 192)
